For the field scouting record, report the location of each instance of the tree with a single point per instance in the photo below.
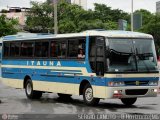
(153, 28)
(4, 11)
(146, 16)
(7, 26)
(72, 18)
(105, 13)
(40, 17)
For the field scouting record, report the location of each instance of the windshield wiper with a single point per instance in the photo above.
(134, 57)
(146, 54)
(146, 66)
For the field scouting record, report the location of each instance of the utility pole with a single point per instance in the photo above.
(132, 15)
(55, 17)
(80, 2)
(30, 3)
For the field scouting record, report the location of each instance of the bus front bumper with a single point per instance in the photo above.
(131, 91)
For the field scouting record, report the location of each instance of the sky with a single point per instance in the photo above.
(126, 4)
(115, 4)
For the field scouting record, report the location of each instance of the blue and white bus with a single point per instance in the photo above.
(97, 64)
(0, 55)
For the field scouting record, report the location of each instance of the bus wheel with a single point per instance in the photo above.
(128, 101)
(88, 96)
(30, 93)
(64, 95)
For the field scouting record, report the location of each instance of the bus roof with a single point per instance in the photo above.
(106, 33)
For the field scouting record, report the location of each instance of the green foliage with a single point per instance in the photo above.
(72, 18)
(66, 26)
(146, 16)
(150, 24)
(7, 26)
(4, 11)
(153, 28)
(105, 13)
(40, 17)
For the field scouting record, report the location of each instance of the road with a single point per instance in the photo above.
(14, 101)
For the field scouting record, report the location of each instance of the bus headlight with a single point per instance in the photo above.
(153, 83)
(116, 84)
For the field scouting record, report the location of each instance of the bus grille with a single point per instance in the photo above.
(133, 83)
(136, 91)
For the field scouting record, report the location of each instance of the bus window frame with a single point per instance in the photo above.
(36, 41)
(49, 54)
(76, 58)
(23, 57)
(19, 49)
(3, 50)
(56, 40)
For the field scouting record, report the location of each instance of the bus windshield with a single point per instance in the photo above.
(131, 55)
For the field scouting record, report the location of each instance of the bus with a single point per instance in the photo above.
(0, 55)
(97, 64)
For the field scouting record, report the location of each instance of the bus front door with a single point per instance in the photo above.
(97, 56)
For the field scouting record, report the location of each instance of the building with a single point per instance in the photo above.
(82, 3)
(158, 7)
(17, 13)
(52, 1)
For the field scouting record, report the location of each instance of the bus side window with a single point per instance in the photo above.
(62, 49)
(45, 49)
(81, 48)
(41, 49)
(15, 49)
(6, 49)
(54, 48)
(38, 51)
(58, 49)
(73, 48)
(76, 48)
(27, 49)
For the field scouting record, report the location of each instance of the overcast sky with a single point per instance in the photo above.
(120, 4)
(126, 4)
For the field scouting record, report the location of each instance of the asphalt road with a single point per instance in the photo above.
(14, 101)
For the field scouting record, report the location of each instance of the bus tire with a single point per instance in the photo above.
(30, 93)
(128, 101)
(88, 96)
(64, 95)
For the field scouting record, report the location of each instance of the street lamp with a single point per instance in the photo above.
(131, 15)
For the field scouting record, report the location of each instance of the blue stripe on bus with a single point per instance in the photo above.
(67, 63)
(64, 63)
(40, 71)
(99, 81)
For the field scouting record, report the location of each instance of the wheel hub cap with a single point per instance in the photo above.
(89, 94)
(29, 89)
